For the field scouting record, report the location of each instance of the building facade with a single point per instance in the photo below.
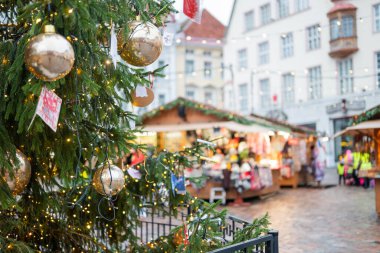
(313, 63)
(199, 60)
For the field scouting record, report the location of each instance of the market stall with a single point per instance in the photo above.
(243, 164)
(366, 131)
(294, 148)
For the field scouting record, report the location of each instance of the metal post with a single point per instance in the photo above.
(275, 241)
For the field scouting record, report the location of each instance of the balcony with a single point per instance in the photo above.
(343, 46)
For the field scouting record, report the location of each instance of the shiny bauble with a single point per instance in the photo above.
(21, 174)
(108, 180)
(49, 56)
(142, 46)
(143, 101)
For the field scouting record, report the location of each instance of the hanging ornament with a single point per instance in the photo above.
(142, 46)
(49, 56)
(108, 180)
(178, 237)
(142, 96)
(21, 175)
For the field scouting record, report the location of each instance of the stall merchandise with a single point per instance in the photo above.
(363, 126)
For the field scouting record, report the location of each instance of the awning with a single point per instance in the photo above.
(366, 127)
(231, 125)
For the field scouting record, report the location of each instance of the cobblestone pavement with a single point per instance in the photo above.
(339, 219)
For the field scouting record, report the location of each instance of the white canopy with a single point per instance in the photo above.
(366, 127)
(231, 125)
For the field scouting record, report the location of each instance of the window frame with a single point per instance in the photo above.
(268, 20)
(193, 67)
(288, 96)
(304, 6)
(265, 55)
(345, 79)
(376, 19)
(265, 98)
(313, 42)
(315, 82)
(287, 46)
(240, 61)
(251, 15)
(283, 13)
(207, 75)
(377, 70)
(243, 97)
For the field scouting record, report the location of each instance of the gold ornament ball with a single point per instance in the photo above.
(108, 180)
(21, 174)
(142, 46)
(49, 56)
(143, 101)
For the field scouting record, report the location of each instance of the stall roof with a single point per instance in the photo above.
(199, 113)
(371, 114)
(366, 127)
(293, 128)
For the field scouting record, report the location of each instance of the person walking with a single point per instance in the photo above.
(319, 156)
(348, 168)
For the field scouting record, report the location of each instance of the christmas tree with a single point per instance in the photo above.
(59, 191)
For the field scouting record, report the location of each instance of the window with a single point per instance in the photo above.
(347, 26)
(378, 69)
(376, 19)
(265, 93)
(189, 51)
(243, 98)
(190, 92)
(222, 70)
(189, 67)
(207, 68)
(264, 52)
(313, 37)
(315, 82)
(242, 59)
(161, 99)
(206, 53)
(265, 12)
(334, 28)
(249, 20)
(288, 89)
(283, 8)
(302, 5)
(342, 28)
(209, 97)
(346, 81)
(287, 45)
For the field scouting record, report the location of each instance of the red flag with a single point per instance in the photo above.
(191, 8)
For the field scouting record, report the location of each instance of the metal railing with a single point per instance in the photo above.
(263, 244)
(155, 224)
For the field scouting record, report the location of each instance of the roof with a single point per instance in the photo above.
(294, 128)
(224, 115)
(341, 7)
(210, 27)
(371, 114)
(366, 127)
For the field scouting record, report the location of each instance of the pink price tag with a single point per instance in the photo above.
(49, 107)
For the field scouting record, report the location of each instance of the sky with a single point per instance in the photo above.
(221, 9)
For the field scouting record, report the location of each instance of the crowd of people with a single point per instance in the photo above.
(349, 165)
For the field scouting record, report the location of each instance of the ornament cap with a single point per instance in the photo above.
(49, 29)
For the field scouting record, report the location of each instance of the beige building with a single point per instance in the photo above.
(199, 60)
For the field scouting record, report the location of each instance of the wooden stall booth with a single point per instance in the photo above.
(181, 122)
(294, 147)
(365, 125)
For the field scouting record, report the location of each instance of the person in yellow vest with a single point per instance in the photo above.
(340, 167)
(366, 165)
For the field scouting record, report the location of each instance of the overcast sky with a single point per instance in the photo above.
(221, 9)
